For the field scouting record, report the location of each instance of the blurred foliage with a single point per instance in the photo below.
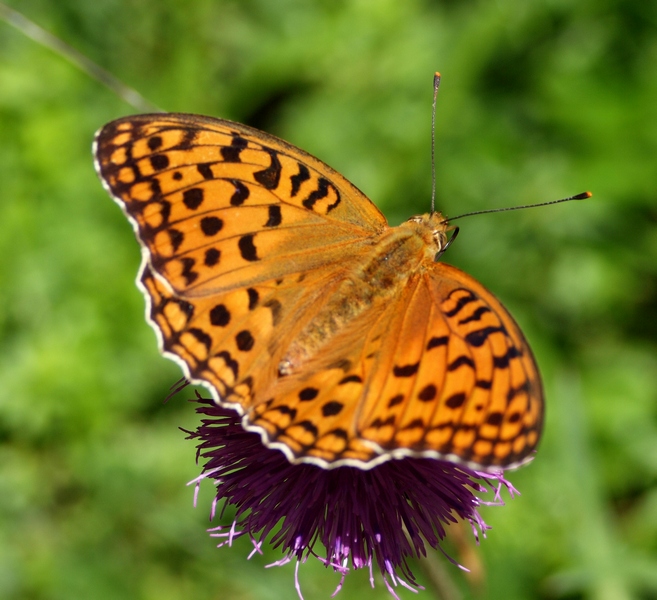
(539, 100)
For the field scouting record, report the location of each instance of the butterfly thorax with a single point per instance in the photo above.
(397, 255)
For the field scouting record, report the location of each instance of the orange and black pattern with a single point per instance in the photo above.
(279, 286)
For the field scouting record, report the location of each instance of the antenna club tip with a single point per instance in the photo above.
(436, 75)
(582, 196)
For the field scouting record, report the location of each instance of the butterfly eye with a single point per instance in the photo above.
(448, 243)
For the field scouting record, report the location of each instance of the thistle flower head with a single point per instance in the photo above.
(346, 517)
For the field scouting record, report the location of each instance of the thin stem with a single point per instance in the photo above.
(48, 40)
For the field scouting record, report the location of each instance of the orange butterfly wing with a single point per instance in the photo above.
(201, 191)
(443, 371)
(262, 273)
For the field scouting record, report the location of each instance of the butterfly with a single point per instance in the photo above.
(278, 285)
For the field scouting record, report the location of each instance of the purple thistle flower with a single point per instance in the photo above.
(382, 515)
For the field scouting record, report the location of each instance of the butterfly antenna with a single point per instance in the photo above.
(582, 196)
(48, 40)
(436, 85)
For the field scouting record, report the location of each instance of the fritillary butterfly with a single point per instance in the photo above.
(275, 283)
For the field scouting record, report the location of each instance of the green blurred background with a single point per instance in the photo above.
(539, 100)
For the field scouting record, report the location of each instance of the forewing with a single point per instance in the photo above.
(218, 205)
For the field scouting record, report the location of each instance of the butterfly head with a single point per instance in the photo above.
(433, 228)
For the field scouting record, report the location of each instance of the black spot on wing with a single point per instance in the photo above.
(309, 427)
(176, 238)
(212, 257)
(156, 189)
(321, 192)
(307, 394)
(188, 270)
(154, 142)
(244, 340)
(479, 337)
(455, 400)
(332, 408)
(165, 212)
(247, 248)
(270, 177)
(201, 336)
(378, 422)
(219, 316)
(205, 170)
(495, 418)
(193, 198)
(240, 194)
(186, 307)
(435, 342)
(514, 391)
(514, 417)
(414, 424)
(211, 226)
(427, 393)
(231, 363)
(461, 302)
(459, 362)
(338, 432)
(351, 379)
(317, 194)
(189, 137)
(405, 370)
(299, 178)
(231, 153)
(502, 362)
(159, 161)
(253, 297)
(475, 316)
(275, 216)
(395, 400)
(286, 410)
